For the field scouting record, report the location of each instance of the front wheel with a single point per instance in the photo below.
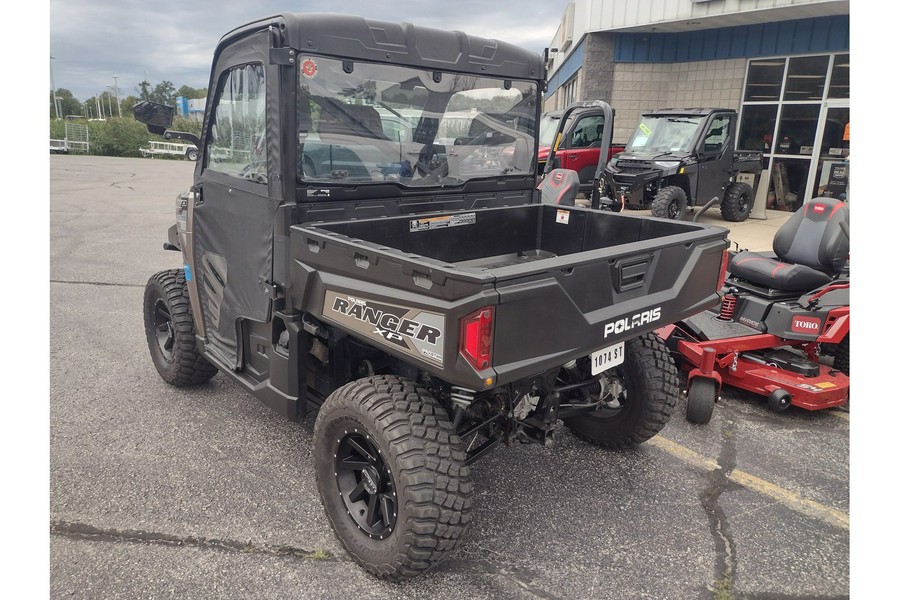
(701, 399)
(647, 390)
(391, 475)
(670, 203)
(192, 154)
(169, 325)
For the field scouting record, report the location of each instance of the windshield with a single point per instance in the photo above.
(365, 123)
(548, 130)
(664, 134)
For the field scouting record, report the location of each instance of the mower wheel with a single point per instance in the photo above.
(779, 400)
(842, 356)
(737, 202)
(670, 203)
(701, 399)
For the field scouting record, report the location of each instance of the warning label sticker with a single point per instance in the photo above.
(441, 222)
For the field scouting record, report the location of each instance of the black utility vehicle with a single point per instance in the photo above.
(680, 158)
(364, 237)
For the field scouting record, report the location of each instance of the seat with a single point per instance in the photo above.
(809, 250)
(559, 187)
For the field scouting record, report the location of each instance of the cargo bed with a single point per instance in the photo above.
(563, 281)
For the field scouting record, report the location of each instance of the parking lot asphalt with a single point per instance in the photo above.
(161, 492)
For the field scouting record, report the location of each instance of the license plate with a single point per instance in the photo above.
(606, 358)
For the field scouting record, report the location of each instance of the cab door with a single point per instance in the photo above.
(583, 146)
(236, 198)
(715, 157)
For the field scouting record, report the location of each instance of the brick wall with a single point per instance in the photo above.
(639, 87)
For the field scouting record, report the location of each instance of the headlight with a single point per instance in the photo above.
(669, 164)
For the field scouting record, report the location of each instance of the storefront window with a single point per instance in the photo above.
(797, 130)
(764, 79)
(833, 176)
(840, 77)
(757, 127)
(806, 78)
(787, 186)
(803, 132)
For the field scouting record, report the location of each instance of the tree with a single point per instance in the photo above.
(128, 106)
(190, 92)
(164, 93)
(68, 104)
(144, 92)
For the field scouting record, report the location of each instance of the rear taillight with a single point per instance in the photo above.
(476, 336)
(723, 269)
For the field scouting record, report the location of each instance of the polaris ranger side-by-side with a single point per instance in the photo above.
(682, 158)
(406, 281)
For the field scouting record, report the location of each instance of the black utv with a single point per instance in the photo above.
(364, 238)
(678, 159)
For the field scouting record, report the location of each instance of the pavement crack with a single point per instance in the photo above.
(520, 577)
(718, 482)
(83, 531)
(97, 283)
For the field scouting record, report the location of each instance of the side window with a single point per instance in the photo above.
(717, 134)
(588, 132)
(237, 140)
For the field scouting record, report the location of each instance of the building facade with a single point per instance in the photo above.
(784, 65)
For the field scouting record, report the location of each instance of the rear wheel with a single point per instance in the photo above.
(737, 202)
(670, 203)
(647, 384)
(169, 325)
(701, 399)
(192, 154)
(842, 356)
(391, 474)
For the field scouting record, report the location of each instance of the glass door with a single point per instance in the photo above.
(833, 172)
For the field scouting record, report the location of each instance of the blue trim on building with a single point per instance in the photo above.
(801, 36)
(569, 67)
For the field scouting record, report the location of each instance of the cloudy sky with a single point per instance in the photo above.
(94, 40)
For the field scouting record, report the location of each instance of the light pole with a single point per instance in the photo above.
(99, 105)
(109, 100)
(118, 102)
(53, 88)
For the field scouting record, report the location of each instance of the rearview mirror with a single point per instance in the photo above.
(157, 117)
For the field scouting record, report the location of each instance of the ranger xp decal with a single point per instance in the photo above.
(410, 330)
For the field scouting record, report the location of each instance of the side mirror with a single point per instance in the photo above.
(157, 117)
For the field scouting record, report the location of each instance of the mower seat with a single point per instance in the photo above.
(810, 249)
(560, 187)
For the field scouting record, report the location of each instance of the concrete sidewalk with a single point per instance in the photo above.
(752, 234)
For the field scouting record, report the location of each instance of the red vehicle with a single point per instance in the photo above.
(581, 134)
(780, 312)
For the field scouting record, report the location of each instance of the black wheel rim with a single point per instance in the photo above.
(165, 330)
(744, 203)
(674, 209)
(365, 484)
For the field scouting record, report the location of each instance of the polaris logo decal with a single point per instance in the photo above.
(627, 323)
(409, 330)
(805, 325)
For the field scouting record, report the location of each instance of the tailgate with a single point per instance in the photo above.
(596, 298)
